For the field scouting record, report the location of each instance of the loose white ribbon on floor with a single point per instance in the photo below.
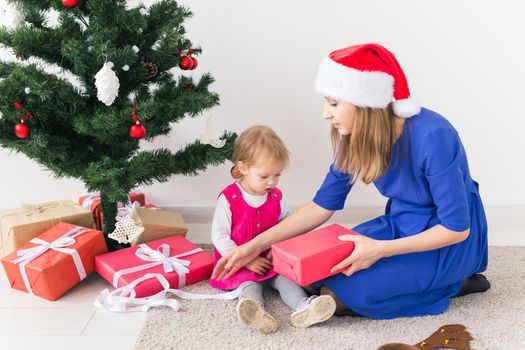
(160, 256)
(123, 299)
(59, 244)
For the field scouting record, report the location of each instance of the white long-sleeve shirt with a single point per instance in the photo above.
(221, 227)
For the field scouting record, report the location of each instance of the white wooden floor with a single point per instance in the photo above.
(28, 322)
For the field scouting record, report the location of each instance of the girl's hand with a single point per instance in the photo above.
(260, 265)
(366, 252)
(269, 256)
(234, 260)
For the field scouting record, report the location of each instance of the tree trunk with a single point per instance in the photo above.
(109, 209)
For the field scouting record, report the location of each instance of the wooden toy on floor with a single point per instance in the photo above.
(451, 336)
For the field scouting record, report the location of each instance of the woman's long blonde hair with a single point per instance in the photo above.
(367, 152)
(255, 143)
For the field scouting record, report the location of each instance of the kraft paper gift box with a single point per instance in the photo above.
(180, 261)
(92, 203)
(19, 226)
(309, 257)
(158, 224)
(55, 261)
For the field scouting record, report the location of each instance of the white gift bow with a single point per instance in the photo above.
(123, 299)
(161, 256)
(127, 209)
(59, 244)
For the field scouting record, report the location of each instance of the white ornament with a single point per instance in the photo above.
(107, 84)
(143, 12)
(11, 16)
(211, 136)
(125, 230)
(125, 68)
(27, 90)
(135, 48)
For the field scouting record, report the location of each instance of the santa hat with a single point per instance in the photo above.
(366, 75)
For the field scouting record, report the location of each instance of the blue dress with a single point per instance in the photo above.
(427, 183)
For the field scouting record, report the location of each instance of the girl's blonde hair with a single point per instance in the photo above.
(255, 143)
(367, 152)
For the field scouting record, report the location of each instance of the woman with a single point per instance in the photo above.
(432, 240)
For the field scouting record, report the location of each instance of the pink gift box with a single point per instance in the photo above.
(309, 258)
(199, 264)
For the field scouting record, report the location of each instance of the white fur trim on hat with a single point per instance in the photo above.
(361, 88)
(407, 107)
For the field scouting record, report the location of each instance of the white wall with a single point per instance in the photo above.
(463, 59)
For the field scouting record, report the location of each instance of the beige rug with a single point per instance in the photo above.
(496, 319)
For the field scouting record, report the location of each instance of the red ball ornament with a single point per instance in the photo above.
(22, 130)
(70, 3)
(137, 131)
(195, 63)
(186, 63)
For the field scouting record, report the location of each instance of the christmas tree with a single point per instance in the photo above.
(86, 89)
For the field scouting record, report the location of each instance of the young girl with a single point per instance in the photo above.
(431, 243)
(247, 207)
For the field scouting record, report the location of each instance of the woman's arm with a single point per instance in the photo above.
(433, 238)
(367, 250)
(304, 219)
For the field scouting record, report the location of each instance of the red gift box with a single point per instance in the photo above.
(309, 258)
(180, 261)
(92, 203)
(55, 261)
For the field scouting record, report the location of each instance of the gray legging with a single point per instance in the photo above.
(291, 293)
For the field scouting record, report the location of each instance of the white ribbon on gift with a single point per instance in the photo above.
(59, 245)
(88, 201)
(160, 256)
(123, 299)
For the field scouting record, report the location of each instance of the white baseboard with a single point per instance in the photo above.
(506, 223)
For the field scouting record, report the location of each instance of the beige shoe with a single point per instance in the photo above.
(253, 314)
(312, 310)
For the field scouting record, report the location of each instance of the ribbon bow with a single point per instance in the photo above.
(161, 256)
(127, 209)
(26, 255)
(40, 208)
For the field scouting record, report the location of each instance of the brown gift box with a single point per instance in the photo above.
(19, 226)
(158, 224)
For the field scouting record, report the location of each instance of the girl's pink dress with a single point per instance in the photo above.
(248, 222)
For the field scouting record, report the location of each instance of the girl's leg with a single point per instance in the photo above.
(307, 310)
(253, 291)
(251, 311)
(291, 293)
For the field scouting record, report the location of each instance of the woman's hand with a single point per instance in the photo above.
(260, 265)
(366, 252)
(234, 260)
